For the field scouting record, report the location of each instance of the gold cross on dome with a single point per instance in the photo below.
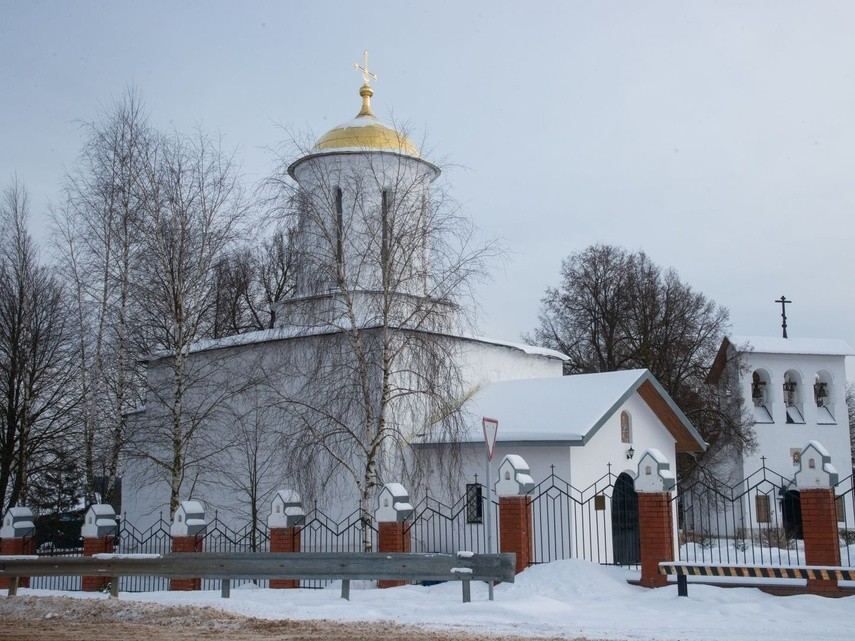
(366, 75)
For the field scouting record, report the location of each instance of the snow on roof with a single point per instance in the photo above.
(285, 333)
(559, 408)
(777, 345)
(523, 347)
(570, 409)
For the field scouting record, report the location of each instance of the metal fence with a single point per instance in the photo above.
(845, 506)
(757, 521)
(598, 523)
(452, 527)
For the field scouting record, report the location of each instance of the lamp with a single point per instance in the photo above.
(630, 452)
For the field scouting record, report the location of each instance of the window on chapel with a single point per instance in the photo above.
(625, 427)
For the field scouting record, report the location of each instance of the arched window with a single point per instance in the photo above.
(625, 427)
(822, 396)
(793, 396)
(760, 396)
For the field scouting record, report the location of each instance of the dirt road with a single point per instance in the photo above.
(68, 619)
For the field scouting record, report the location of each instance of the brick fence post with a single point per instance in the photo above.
(99, 531)
(815, 480)
(654, 484)
(393, 530)
(188, 533)
(284, 521)
(516, 527)
(17, 537)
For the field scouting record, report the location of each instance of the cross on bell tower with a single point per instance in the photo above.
(783, 300)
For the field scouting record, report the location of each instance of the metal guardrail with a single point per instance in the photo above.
(226, 567)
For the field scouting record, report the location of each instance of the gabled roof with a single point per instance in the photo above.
(571, 409)
(776, 345)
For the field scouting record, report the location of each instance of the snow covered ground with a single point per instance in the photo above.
(565, 598)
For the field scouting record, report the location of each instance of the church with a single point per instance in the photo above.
(372, 362)
(373, 373)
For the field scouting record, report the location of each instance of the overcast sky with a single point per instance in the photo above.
(718, 137)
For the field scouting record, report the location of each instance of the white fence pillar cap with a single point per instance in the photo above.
(18, 523)
(654, 473)
(514, 477)
(815, 468)
(189, 519)
(393, 504)
(99, 520)
(286, 510)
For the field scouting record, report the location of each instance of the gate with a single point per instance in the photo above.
(626, 541)
(598, 523)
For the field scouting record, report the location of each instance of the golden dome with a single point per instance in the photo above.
(365, 132)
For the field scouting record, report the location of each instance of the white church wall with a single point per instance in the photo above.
(778, 440)
(484, 362)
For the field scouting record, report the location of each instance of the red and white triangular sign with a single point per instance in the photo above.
(491, 429)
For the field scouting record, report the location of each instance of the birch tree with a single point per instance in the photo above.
(95, 235)
(385, 267)
(193, 210)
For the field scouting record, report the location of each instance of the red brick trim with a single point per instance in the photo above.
(285, 539)
(15, 547)
(186, 544)
(516, 531)
(656, 532)
(92, 546)
(393, 536)
(819, 525)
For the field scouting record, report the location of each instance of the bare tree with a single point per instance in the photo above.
(193, 209)
(616, 309)
(385, 266)
(35, 358)
(94, 230)
(250, 280)
(251, 469)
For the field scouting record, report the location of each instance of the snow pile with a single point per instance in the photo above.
(567, 599)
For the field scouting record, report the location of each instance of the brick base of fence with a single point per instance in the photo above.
(91, 547)
(392, 536)
(186, 544)
(656, 534)
(15, 547)
(516, 529)
(285, 539)
(819, 525)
